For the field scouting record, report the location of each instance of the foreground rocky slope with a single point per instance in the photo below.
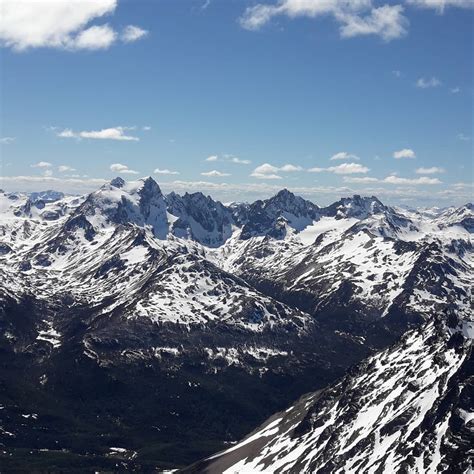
(409, 408)
(128, 317)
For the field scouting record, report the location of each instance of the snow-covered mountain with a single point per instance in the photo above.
(409, 408)
(180, 301)
(200, 218)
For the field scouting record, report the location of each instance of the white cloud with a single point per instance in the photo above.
(215, 174)
(47, 172)
(133, 33)
(289, 168)
(258, 15)
(266, 168)
(7, 140)
(56, 24)
(357, 180)
(343, 155)
(455, 90)
(411, 181)
(461, 136)
(265, 171)
(235, 159)
(404, 153)
(165, 171)
(42, 164)
(440, 5)
(68, 185)
(458, 194)
(348, 168)
(268, 171)
(146, 128)
(122, 169)
(426, 83)
(397, 73)
(343, 168)
(95, 37)
(462, 185)
(64, 168)
(386, 21)
(432, 170)
(265, 176)
(114, 133)
(228, 158)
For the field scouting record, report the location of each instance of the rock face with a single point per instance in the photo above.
(409, 408)
(270, 217)
(130, 317)
(200, 218)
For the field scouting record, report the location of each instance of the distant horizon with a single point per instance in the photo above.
(169, 187)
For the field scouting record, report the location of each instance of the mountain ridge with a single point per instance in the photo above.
(130, 290)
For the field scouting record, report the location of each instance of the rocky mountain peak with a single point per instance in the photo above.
(150, 186)
(356, 206)
(117, 182)
(285, 200)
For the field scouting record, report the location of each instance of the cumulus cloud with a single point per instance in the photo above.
(265, 171)
(238, 161)
(265, 176)
(461, 136)
(7, 140)
(387, 21)
(455, 90)
(215, 174)
(289, 168)
(133, 33)
(355, 17)
(343, 155)
(432, 170)
(426, 83)
(358, 180)
(411, 181)
(122, 169)
(228, 158)
(68, 185)
(59, 24)
(268, 171)
(65, 168)
(343, 168)
(348, 168)
(458, 193)
(407, 153)
(42, 164)
(164, 171)
(440, 5)
(114, 133)
(95, 37)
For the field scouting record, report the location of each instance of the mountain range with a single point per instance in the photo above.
(147, 331)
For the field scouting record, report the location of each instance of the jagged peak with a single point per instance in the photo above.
(284, 193)
(150, 184)
(118, 182)
(358, 199)
(285, 196)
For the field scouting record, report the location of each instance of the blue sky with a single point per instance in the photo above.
(239, 99)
